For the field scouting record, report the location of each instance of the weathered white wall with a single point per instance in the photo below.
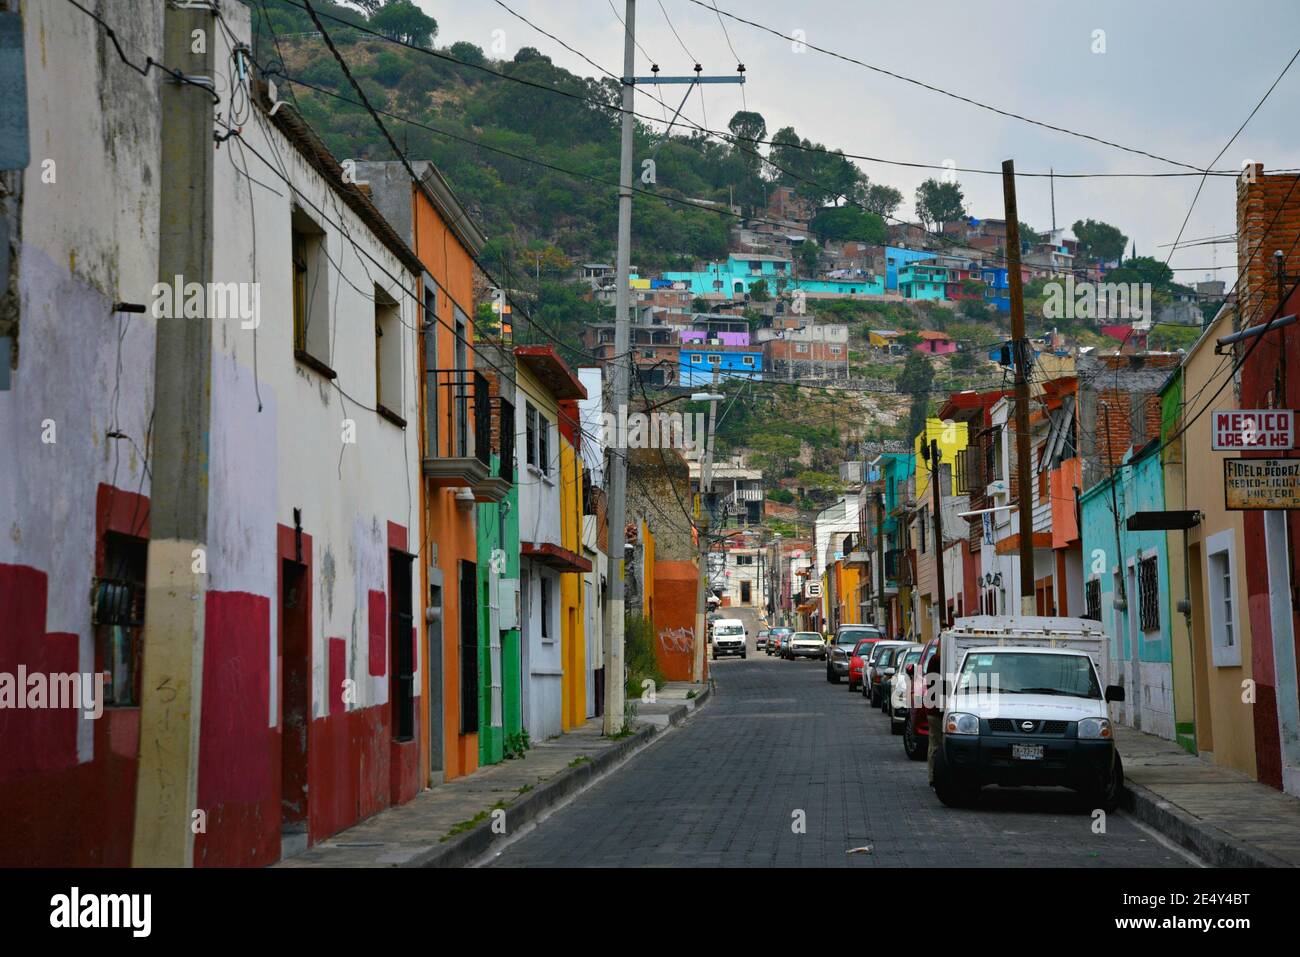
(292, 453)
(89, 238)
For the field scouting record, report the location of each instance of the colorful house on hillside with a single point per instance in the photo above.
(921, 280)
(936, 343)
(696, 363)
(898, 257)
(551, 563)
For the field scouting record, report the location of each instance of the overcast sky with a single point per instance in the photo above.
(1176, 79)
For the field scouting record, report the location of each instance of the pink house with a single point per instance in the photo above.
(935, 343)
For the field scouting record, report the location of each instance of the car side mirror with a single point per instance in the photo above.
(910, 669)
(1114, 692)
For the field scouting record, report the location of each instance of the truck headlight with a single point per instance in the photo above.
(960, 723)
(1094, 728)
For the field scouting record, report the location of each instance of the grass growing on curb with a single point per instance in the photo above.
(463, 826)
(639, 656)
(580, 759)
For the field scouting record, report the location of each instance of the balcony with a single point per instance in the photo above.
(497, 486)
(468, 461)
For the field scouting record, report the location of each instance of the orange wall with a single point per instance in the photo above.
(674, 618)
(452, 530)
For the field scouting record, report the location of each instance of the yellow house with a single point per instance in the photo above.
(573, 637)
(952, 437)
(1212, 665)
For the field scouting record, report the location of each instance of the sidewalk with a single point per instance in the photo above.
(1219, 814)
(452, 824)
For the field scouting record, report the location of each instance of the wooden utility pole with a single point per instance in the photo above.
(938, 533)
(1020, 355)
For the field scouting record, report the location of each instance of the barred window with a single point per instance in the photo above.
(1092, 594)
(1149, 594)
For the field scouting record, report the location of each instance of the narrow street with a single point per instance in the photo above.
(723, 790)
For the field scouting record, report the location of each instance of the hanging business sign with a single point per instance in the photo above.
(1233, 430)
(1261, 483)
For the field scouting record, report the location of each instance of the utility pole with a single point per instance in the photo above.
(938, 532)
(881, 617)
(1020, 352)
(779, 605)
(171, 705)
(706, 490)
(614, 680)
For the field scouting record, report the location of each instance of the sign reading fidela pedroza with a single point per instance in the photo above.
(1261, 483)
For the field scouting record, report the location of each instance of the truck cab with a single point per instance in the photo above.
(1026, 703)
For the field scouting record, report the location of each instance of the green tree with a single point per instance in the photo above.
(758, 291)
(809, 256)
(882, 200)
(939, 203)
(402, 20)
(848, 223)
(1143, 269)
(1098, 240)
(468, 52)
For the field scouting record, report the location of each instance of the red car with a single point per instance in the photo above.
(857, 660)
(916, 730)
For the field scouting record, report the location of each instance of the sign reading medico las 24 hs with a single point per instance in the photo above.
(1235, 429)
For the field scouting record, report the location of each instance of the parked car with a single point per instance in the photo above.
(916, 727)
(761, 640)
(878, 662)
(729, 638)
(805, 644)
(775, 638)
(841, 649)
(900, 695)
(857, 660)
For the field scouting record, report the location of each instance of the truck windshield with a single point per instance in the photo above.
(807, 636)
(723, 631)
(1022, 672)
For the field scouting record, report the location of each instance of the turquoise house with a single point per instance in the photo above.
(923, 281)
(896, 257)
(735, 278)
(1126, 584)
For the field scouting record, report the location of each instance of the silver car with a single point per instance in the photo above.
(841, 649)
(878, 670)
(805, 644)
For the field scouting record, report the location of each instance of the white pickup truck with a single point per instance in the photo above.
(1025, 702)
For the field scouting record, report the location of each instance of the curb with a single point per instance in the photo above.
(1214, 846)
(473, 844)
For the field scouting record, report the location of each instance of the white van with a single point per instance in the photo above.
(728, 637)
(1025, 702)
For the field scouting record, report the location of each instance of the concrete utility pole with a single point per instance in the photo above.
(614, 679)
(171, 695)
(1020, 355)
(778, 606)
(706, 490)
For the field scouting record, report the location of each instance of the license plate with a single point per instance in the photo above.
(1027, 752)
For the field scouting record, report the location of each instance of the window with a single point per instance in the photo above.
(388, 353)
(463, 379)
(714, 359)
(744, 559)
(119, 617)
(696, 358)
(1220, 568)
(1149, 594)
(801, 347)
(835, 350)
(543, 444)
(530, 435)
(1092, 596)
(747, 360)
(545, 585)
(311, 309)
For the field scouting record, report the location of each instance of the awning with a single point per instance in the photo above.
(554, 556)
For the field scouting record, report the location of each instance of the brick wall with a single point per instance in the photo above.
(1268, 219)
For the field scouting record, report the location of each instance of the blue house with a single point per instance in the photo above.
(898, 256)
(1126, 584)
(997, 291)
(697, 360)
